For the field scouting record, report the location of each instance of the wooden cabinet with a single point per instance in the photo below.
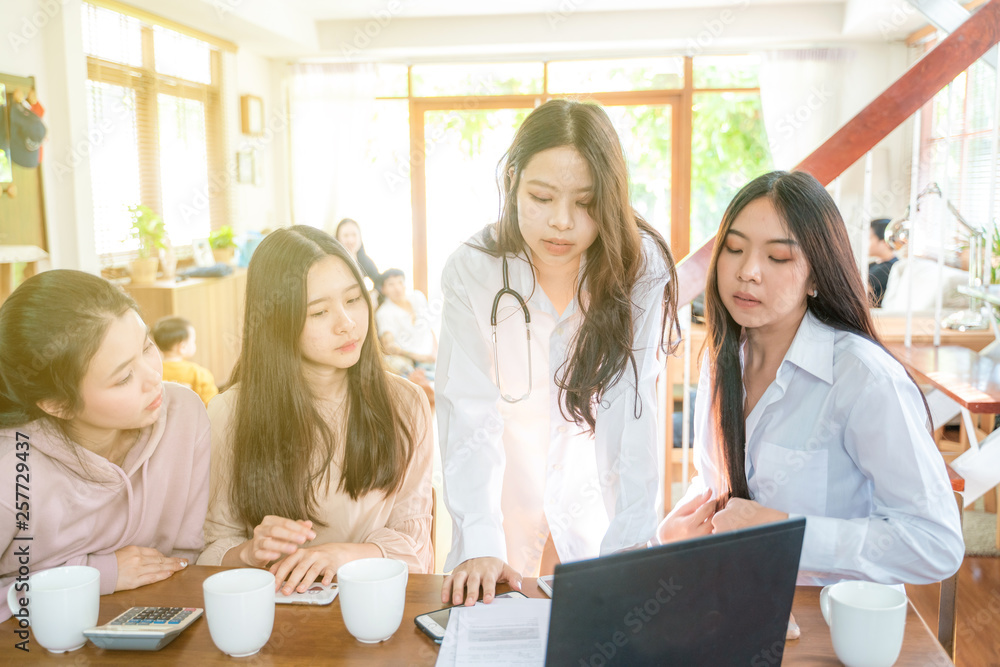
(214, 307)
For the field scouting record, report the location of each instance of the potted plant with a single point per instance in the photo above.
(223, 245)
(148, 229)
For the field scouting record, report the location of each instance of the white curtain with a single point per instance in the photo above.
(333, 112)
(800, 96)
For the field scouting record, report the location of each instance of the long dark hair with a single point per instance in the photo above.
(50, 329)
(810, 214)
(282, 447)
(603, 348)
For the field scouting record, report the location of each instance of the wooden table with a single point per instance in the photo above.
(969, 379)
(316, 635)
(971, 384)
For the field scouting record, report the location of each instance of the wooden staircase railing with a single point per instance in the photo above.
(900, 101)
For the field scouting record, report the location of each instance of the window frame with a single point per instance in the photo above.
(682, 119)
(935, 152)
(147, 84)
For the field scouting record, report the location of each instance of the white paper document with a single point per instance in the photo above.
(504, 633)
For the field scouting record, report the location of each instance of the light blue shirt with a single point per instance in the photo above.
(840, 436)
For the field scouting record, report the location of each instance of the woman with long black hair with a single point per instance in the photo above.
(320, 455)
(548, 420)
(802, 412)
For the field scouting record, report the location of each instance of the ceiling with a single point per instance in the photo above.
(415, 31)
(332, 10)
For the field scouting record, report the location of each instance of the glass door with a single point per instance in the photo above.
(462, 157)
(463, 153)
(646, 134)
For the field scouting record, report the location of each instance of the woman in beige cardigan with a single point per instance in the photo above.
(319, 455)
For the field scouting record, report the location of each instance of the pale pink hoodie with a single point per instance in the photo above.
(81, 516)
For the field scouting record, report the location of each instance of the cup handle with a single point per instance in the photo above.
(12, 599)
(824, 603)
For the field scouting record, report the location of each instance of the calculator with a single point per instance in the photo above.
(143, 628)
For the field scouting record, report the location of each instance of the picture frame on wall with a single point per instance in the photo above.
(252, 115)
(202, 253)
(246, 167)
(6, 169)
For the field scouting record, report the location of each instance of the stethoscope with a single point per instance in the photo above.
(527, 329)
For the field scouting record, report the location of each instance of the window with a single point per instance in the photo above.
(477, 79)
(156, 130)
(956, 146)
(605, 76)
(728, 140)
(691, 128)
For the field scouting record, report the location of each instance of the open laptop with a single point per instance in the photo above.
(717, 600)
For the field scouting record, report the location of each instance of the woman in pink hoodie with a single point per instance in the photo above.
(101, 462)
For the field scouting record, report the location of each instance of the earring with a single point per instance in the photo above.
(815, 293)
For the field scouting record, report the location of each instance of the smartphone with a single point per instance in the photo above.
(434, 623)
(315, 594)
(545, 584)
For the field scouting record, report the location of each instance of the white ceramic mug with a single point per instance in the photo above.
(372, 597)
(866, 622)
(59, 604)
(239, 608)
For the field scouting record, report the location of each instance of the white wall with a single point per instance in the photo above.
(43, 38)
(257, 207)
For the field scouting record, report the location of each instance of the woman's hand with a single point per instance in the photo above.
(275, 537)
(740, 513)
(138, 566)
(462, 585)
(692, 519)
(297, 572)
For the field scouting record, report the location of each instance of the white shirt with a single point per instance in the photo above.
(413, 333)
(515, 471)
(841, 438)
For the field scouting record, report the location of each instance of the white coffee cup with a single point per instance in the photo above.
(59, 604)
(866, 622)
(372, 597)
(239, 607)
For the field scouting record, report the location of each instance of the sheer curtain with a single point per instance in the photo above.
(800, 96)
(333, 112)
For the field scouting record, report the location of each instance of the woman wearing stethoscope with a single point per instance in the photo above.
(547, 362)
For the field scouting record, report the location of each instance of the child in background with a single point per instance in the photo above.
(176, 339)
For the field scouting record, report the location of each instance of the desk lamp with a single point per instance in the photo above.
(897, 233)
